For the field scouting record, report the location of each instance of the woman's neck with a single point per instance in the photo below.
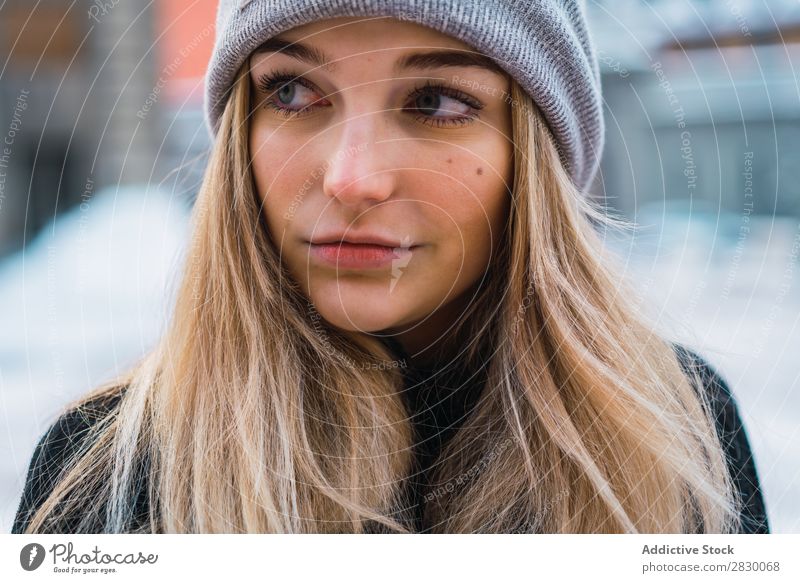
(431, 341)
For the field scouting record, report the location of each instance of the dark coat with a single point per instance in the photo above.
(436, 412)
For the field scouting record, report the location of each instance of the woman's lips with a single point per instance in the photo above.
(359, 255)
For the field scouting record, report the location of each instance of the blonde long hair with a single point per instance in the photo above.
(250, 417)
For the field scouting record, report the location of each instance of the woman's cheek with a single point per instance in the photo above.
(277, 181)
(480, 221)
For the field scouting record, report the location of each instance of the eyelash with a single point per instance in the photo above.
(271, 83)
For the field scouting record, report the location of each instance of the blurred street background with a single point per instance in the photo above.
(103, 144)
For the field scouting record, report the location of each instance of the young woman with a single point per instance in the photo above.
(396, 314)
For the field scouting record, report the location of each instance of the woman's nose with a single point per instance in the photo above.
(360, 167)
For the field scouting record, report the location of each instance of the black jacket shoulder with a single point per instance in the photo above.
(65, 437)
(68, 433)
(735, 442)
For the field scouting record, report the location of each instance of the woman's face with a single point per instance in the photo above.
(387, 194)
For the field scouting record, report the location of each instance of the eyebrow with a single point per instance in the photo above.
(423, 61)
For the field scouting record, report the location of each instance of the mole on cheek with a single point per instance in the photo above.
(480, 170)
(449, 160)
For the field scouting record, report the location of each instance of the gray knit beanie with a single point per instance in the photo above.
(543, 44)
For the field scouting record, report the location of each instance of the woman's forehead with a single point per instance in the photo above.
(325, 43)
(378, 30)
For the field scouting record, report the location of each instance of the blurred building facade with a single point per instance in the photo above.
(702, 105)
(95, 93)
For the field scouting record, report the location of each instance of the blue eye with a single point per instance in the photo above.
(283, 88)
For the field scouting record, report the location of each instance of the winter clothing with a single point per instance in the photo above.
(544, 45)
(439, 399)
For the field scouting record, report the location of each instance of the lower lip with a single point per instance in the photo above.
(359, 256)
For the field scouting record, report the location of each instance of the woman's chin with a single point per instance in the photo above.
(361, 314)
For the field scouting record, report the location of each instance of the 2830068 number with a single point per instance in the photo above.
(755, 566)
